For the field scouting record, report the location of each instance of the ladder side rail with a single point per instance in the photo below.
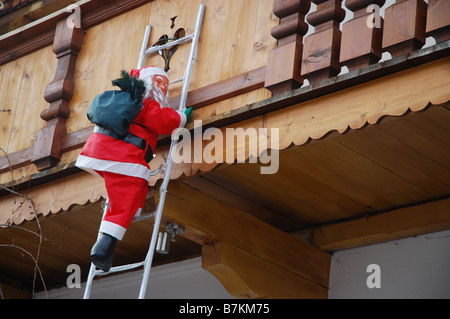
(144, 46)
(158, 215)
(91, 275)
(163, 188)
(92, 272)
(192, 58)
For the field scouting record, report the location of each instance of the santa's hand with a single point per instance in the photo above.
(188, 113)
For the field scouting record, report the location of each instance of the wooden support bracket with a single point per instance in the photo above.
(47, 148)
(247, 276)
(273, 257)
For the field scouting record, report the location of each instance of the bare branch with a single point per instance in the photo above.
(38, 233)
(14, 192)
(24, 229)
(34, 260)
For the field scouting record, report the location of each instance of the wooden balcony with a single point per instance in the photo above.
(360, 102)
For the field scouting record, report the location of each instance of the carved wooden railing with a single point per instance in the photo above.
(361, 45)
(404, 28)
(363, 39)
(283, 66)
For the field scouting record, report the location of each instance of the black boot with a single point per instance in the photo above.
(102, 252)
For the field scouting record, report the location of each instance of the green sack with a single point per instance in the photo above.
(114, 110)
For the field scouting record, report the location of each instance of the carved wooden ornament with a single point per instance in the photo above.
(67, 44)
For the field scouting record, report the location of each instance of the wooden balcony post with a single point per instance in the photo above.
(47, 148)
(404, 27)
(321, 49)
(438, 20)
(283, 63)
(362, 36)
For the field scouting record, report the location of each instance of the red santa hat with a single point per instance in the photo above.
(149, 71)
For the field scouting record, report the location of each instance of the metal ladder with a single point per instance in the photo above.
(93, 272)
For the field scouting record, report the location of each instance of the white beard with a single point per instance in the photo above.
(155, 93)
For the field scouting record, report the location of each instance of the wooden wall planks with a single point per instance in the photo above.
(242, 36)
(240, 29)
(22, 87)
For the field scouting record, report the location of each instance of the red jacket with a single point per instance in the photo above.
(104, 153)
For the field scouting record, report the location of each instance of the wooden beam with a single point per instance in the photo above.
(396, 224)
(243, 231)
(40, 33)
(248, 276)
(219, 91)
(31, 11)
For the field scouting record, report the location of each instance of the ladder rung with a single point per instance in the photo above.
(156, 48)
(157, 171)
(177, 80)
(119, 269)
(143, 217)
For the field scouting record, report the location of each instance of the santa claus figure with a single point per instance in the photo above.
(123, 161)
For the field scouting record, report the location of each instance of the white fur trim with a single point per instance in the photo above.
(151, 71)
(112, 229)
(90, 164)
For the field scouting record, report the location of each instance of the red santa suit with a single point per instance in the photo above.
(123, 165)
